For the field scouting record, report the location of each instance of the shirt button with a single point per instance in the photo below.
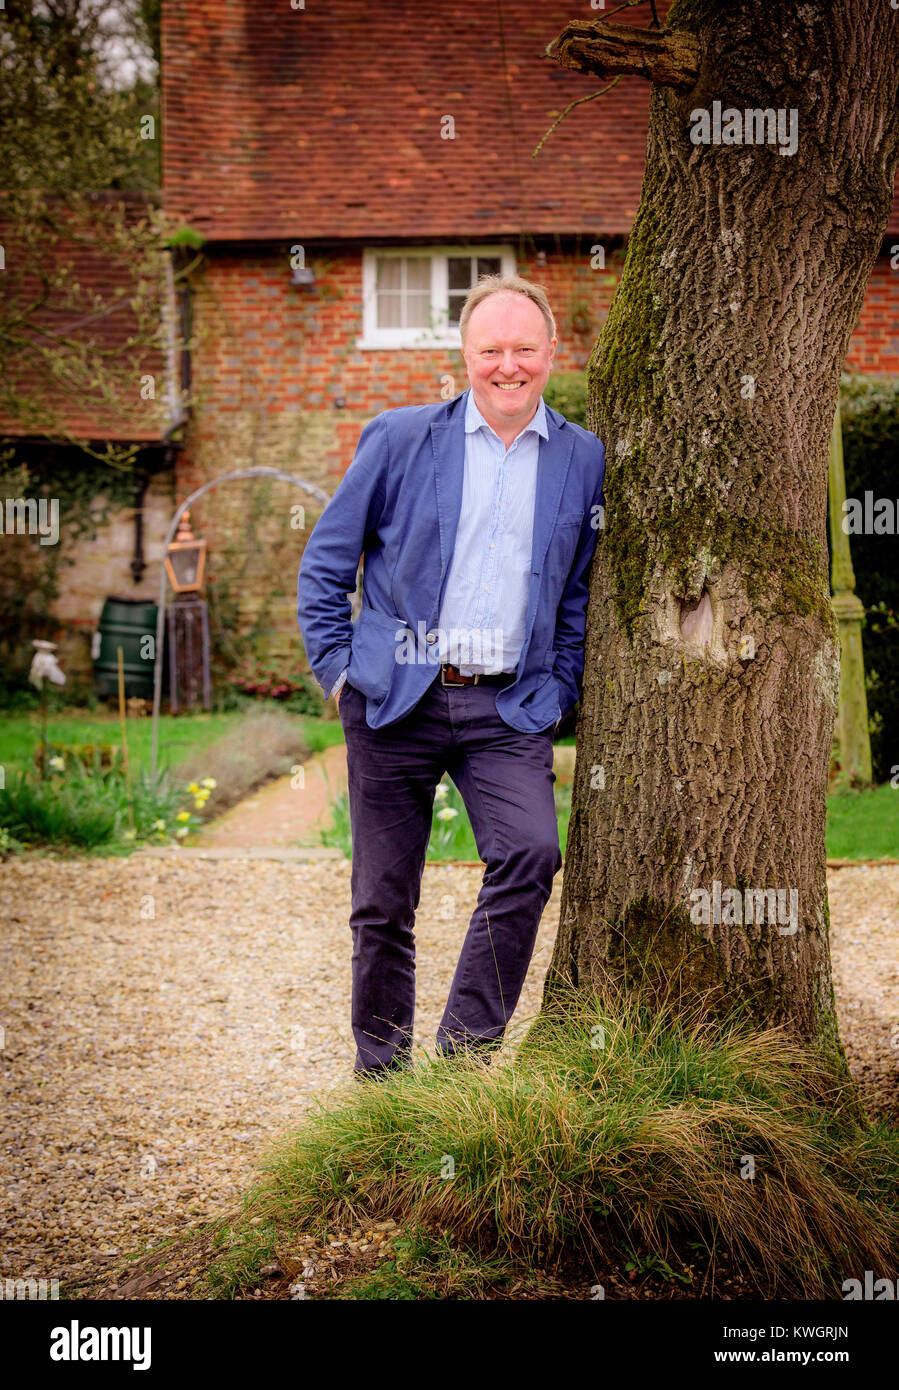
(492, 546)
(431, 637)
(486, 589)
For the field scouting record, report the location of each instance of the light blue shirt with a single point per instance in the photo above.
(481, 622)
(482, 617)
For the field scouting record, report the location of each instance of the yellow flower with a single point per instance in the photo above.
(209, 782)
(180, 833)
(159, 825)
(183, 815)
(193, 787)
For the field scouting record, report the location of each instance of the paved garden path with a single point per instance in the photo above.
(291, 812)
(287, 813)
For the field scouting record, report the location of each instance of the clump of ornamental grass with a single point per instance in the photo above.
(267, 743)
(607, 1129)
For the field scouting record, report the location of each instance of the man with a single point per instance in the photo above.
(477, 518)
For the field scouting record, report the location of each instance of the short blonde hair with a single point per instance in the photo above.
(507, 284)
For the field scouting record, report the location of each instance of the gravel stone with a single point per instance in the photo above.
(165, 1020)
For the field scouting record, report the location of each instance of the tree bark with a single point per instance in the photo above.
(669, 58)
(712, 661)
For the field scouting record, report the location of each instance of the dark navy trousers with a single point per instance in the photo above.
(506, 780)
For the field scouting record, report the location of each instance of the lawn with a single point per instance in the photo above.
(179, 735)
(864, 825)
(860, 825)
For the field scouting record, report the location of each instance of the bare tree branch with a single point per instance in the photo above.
(570, 107)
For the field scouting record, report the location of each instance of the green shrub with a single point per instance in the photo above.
(295, 689)
(88, 808)
(567, 393)
(869, 409)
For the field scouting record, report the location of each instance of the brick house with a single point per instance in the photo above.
(352, 169)
(56, 427)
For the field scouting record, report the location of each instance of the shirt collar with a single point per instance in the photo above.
(474, 419)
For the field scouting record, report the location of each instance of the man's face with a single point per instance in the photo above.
(508, 353)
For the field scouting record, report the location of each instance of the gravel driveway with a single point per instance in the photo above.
(166, 1018)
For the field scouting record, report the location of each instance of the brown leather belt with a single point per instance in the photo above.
(451, 675)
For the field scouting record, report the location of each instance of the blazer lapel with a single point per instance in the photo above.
(552, 470)
(448, 443)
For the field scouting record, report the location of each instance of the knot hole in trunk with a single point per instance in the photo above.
(697, 621)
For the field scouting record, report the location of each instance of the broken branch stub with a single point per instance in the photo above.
(670, 58)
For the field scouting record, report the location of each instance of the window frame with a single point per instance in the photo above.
(447, 336)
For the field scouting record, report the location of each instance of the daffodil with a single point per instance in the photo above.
(209, 782)
(447, 813)
(183, 815)
(193, 787)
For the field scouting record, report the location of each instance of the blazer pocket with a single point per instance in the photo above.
(564, 540)
(373, 656)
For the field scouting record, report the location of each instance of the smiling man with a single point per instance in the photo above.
(475, 516)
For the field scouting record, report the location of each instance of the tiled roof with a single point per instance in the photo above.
(325, 121)
(97, 316)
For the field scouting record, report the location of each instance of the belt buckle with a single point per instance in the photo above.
(455, 685)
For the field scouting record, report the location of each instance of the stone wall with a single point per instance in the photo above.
(101, 569)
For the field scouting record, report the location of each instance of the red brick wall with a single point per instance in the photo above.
(270, 360)
(267, 344)
(874, 346)
(268, 363)
(276, 353)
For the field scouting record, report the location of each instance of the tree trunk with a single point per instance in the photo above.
(712, 664)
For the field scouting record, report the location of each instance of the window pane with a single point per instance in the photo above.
(459, 272)
(418, 273)
(390, 273)
(455, 307)
(390, 311)
(489, 265)
(418, 307)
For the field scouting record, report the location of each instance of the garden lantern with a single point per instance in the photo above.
(185, 559)
(188, 621)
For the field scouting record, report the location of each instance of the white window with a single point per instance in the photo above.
(412, 296)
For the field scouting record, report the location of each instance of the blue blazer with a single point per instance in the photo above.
(398, 505)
